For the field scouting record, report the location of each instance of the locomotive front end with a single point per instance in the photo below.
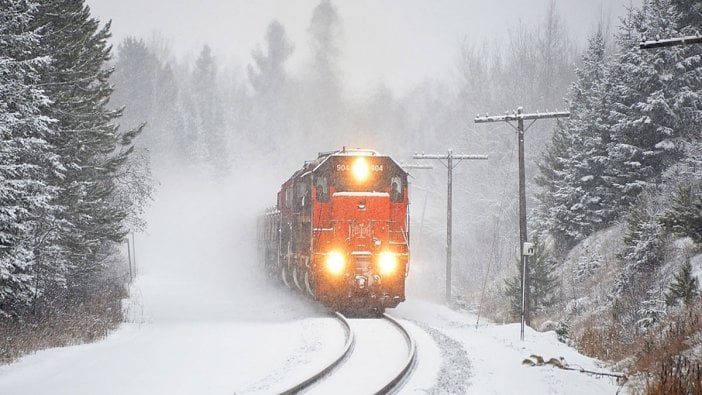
(362, 245)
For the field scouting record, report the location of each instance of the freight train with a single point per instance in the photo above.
(340, 231)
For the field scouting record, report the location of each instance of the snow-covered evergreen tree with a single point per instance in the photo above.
(136, 80)
(28, 163)
(631, 118)
(86, 136)
(272, 105)
(323, 100)
(684, 217)
(683, 287)
(574, 198)
(644, 238)
(208, 113)
(267, 75)
(655, 100)
(690, 11)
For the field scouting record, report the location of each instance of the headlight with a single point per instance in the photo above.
(336, 262)
(360, 169)
(387, 263)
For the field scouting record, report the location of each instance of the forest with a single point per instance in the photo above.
(71, 184)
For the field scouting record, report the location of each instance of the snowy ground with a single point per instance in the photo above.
(202, 321)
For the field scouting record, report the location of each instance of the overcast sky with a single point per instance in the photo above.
(397, 42)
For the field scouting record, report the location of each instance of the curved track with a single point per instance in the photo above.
(398, 380)
(374, 360)
(348, 347)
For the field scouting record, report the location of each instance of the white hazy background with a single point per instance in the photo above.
(394, 42)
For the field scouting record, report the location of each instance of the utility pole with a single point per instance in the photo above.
(134, 253)
(524, 248)
(669, 42)
(129, 258)
(449, 158)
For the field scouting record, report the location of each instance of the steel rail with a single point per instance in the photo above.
(395, 384)
(348, 347)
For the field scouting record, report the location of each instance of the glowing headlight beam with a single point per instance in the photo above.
(360, 169)
(336, 263)
(387, 263)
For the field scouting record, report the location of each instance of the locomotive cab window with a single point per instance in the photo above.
(302, 197)
(322, 189)
(396, 190)
(288, 197)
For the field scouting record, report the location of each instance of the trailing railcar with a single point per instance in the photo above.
(340, 231)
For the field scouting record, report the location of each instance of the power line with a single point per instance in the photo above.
(519, 117)
(449, 158)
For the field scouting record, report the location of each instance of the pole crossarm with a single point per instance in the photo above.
(453, 156)
(457, 157)
(415, 166)
(670, 42)
(517, 116)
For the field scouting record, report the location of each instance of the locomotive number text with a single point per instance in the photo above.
(342, 167)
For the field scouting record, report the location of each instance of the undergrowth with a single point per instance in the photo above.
(662, 356)
(86, 321)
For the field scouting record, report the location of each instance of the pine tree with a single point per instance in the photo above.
(267, 75)
(644, 236)
(208, 114)
(631, 118)
(323, 94)
(684, 217)
(272, 110)
(655, 98)
(86, 136)
(690, 15)
(27, 162)
(574, 198)
(683, 287)
(136, 87)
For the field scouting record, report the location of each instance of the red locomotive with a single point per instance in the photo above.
(340, 231)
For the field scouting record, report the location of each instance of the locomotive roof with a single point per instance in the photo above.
(322, 157)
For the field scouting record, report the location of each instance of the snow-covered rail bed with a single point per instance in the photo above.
(342, 356)
(381, 358)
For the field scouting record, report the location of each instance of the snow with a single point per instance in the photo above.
(665, 145)
(202, 320)
(174, 358)
(494, 356)
(371, 335)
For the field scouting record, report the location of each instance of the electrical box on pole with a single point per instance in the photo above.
(528, 249)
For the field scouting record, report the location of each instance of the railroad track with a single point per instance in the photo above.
(366, 350)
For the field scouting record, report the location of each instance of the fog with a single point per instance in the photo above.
(237, 95)
(397, 43)
(196, 261)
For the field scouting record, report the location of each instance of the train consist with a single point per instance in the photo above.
(340, 231)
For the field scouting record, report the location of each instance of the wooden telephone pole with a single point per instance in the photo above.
(449, 158)
(524, 247)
